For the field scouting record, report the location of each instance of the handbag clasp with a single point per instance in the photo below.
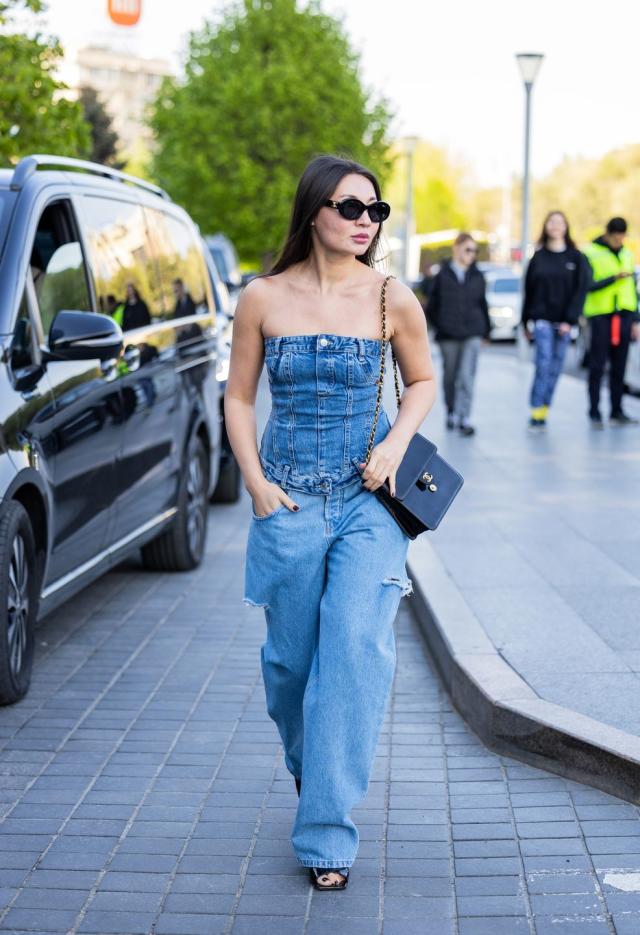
(428, 480)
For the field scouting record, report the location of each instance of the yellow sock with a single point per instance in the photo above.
(545, 411)
(539, 413)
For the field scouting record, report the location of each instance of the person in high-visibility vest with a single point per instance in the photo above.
(611, 308)
(115, 309)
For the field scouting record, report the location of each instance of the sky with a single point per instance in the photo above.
(448, 68)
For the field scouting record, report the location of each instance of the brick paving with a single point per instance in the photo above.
(143, 790)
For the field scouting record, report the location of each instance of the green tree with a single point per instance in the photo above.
(590, 191)
(268, 87)
(439, 189)
(104, 139)
(34, 114)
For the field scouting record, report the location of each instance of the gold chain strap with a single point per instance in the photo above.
(383, 354)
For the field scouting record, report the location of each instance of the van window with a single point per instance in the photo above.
(57, 266)
(122, 262)
(183, 275)
(7, 200)
(21, 349)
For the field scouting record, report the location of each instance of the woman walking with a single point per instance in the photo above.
(325, 559)
(554, 293)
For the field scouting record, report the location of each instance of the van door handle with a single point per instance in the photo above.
(131, 357)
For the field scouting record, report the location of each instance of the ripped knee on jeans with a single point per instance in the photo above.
(249, 602)
(405, 584)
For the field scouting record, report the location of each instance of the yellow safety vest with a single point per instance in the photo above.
(621, 294)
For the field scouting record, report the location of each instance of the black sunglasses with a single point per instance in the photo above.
(352, 208)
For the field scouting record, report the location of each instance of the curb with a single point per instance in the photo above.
(497, 703)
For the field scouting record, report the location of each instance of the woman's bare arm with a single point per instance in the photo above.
(247, 359)
(410, 343)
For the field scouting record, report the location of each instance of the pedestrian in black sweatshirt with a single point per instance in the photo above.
(136, 310)
(457, 308)
(555, 288)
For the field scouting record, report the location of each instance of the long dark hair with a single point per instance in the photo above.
(544, 238)
(317, 184)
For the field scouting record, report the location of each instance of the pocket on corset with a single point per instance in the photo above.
(363, 371)
(275, 362)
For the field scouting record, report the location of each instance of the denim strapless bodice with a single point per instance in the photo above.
(323, 398)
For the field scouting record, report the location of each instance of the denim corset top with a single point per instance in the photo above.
(323, 398)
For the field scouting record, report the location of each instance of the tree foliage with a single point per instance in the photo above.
(440, 189)
(590, 191)
(266, 88)
(104, 139)
(34, 114)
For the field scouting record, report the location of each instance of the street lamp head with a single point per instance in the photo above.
(410, 143)
(529, 64)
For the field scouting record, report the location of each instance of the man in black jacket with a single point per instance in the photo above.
(457, 308)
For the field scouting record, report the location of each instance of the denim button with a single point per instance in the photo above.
(323, 342)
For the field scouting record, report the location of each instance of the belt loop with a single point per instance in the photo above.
(285, 475)
(360, 348)
(277, 344)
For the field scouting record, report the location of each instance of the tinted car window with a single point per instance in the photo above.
(57, 265)
(179, 258)
(226, 259)
(21, 349)
(122, 261)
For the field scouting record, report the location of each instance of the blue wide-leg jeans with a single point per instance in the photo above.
(551, 348)
(330, 578)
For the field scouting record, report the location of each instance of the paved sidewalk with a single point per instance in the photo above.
(143, 790)
(544, 542)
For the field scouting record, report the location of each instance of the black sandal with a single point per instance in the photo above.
(317, 873)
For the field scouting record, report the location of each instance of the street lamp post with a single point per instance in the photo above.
(529, 64)
(410, 143)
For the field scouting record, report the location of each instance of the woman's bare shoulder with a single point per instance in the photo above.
(402, 299)
(256, 298)
(406, 315)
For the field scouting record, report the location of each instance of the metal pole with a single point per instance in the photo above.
(524, 242)
(408, 229)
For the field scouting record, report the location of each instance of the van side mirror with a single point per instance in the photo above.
(83, 336)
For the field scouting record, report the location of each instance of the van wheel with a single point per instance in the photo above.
(181, 546)
(228, 486)
(19, 595)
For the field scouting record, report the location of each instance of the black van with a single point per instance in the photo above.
(110, 411)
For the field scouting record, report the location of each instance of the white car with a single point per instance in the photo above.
(632, 371)
(504, 298)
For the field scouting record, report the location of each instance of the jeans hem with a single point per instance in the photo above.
(324, 864)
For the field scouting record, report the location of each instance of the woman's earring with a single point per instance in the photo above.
(313, 223)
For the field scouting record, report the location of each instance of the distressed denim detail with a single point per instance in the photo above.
(405, 585)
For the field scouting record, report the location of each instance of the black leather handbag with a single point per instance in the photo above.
(426, 484)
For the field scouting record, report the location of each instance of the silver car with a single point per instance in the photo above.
(505, 303)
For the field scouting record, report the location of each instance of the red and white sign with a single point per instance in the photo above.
(125, 12)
